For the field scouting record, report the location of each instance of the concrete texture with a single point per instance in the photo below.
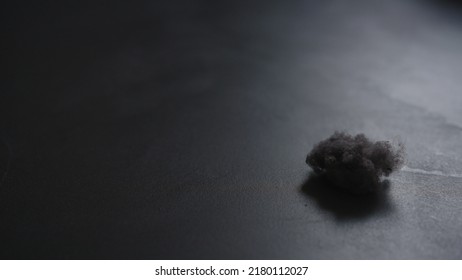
(179, 129)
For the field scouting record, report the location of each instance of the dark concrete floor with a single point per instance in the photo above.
(179, 129)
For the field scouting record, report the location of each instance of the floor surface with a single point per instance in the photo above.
(179, 129)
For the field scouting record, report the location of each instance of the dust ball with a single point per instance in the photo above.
(355, 163)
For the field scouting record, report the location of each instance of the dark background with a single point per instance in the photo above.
(179, 129)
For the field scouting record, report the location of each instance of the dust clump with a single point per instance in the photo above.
(355, 163)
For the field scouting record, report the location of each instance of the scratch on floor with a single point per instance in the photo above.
(429, 172)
